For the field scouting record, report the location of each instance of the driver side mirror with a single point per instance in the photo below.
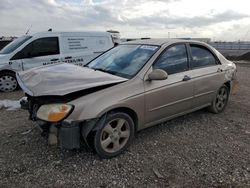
(157, 74)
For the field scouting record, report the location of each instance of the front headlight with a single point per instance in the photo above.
(54, 112)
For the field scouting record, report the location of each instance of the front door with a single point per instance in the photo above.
(173, 96)
(16, 65)
(42, 51)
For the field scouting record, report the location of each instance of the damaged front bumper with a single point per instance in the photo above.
(68, 135)
(71, 135)
(64, 134)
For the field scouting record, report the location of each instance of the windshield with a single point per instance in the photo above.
(124, 60)
(14, 44)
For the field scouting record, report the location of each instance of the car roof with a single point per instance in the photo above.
(74, 33)
(161, 41)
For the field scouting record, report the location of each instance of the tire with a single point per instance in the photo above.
(8, 82)
(114, 136)
(220, 100)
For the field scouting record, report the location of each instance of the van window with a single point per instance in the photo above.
(44, 47)
(40, 47)
(173, 60)
(201, 56)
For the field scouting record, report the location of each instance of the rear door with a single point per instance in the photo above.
(207, 74)
(170, 97)
(42, 51)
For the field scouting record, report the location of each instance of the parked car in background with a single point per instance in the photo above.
(131, 87)
(4, 41)
(46, 48)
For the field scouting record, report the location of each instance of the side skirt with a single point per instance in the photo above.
(173, 116)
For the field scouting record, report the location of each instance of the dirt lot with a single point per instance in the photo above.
(197, 150)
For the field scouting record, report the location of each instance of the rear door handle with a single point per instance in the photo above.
(68, 57)
(56, 59)
(186, 78)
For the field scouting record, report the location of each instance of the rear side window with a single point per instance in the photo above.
(201, 56)
(173, 60)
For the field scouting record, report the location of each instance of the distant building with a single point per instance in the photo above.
(132, 39)
(206, 40)
(7, 38)
(231, 45)
(229, 49)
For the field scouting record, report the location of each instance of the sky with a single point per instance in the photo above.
(224, 20)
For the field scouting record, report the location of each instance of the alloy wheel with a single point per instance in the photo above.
(221, 98)
(115, 135)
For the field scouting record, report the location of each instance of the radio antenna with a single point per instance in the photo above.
(28, 30)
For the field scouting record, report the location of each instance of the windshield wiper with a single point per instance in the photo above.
(103, 70)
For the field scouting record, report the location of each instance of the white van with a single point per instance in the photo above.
(46, 48)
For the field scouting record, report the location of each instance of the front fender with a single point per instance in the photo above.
(5, 67)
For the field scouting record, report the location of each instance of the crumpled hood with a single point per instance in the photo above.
(62, 79)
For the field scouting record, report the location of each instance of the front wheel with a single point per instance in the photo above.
(114, 136)
(8, 82)
(220, 100)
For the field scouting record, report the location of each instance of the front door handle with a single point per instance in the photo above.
(186, 78)
(68, 57)
(56, 59)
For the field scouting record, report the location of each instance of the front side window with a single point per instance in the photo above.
(201, 57)
(40, 47)
(173, 60)
(44, 47)
(124, 60)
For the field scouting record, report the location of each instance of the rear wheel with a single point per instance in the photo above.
(220, 100)
(8, 82)
(115, 135)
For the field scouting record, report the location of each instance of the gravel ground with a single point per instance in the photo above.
(196, 150)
